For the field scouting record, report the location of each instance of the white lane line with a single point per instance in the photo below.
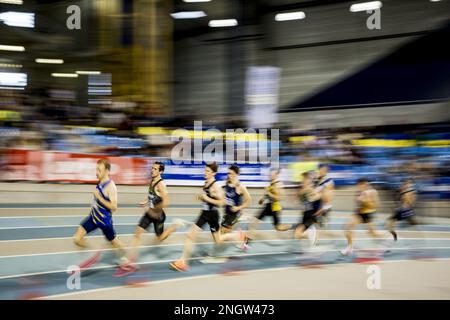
(138, 207)
(261, 223)
(78, 216)
(209, 276)
(138, 263)
(230, 256)
(208, 232)
(181, 244)
(132, 224)
(64, 226)
(115, 215)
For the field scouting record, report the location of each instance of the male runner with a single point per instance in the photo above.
(407, 197)
(325, 185)
(272, 197)
(104, 204)
(367, 202)
(236, 199)
(311, 199)
(157, 200)
(212, 198)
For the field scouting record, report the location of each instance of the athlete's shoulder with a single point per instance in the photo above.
(161, 183)
(409, 190)
(241, 187)
(111, 184)
(216, 184)
(111, 188)
(279, 184)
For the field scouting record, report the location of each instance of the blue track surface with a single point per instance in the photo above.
(45, 274)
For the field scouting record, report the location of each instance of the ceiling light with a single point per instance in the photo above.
(64, 75)
(52, 61)
(365, 6)
(290, 16)
(188, 14)
(223, 23)
(11, 48)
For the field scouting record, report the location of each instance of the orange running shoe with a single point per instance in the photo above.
(179, 266)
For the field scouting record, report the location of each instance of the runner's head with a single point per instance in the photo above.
(308, 177)
(210, 170)
(102, 169)
(362, 184)
(407, 183)
(157, 169)
(274, 173)
(233, 173)
(323, 169)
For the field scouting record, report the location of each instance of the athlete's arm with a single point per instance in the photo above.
(277, 194)
(364, 199)
(146, 201)
(216, 192)
(299, 192)
(376, 198)
(327, 197)
(111, 193)
(247, 198)
(370, 199)
(315, 194)
(409, 198)
(162, 190)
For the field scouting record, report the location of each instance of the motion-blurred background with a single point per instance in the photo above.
(367, 92)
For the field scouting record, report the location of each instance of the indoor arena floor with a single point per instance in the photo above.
(36, 252)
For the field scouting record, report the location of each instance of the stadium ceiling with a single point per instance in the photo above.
(247, 12)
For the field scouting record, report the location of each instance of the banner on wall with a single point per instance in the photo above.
(48, 166)
(261, 96)
(30, 165)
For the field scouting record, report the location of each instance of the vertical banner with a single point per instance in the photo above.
(261, 95)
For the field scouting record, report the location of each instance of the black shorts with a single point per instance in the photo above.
(309, 219)
(210, 217)
(366, 217)
(404, 214)
(230, 219)
(326, 212)
(90, 225)
(267, 212)
(158, 224)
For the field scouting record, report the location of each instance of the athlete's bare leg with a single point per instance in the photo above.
(282, 227)
(163, 236)
(120, 248)
(78, 237)
(350, 225)
(135, 242)
(228, 235)
(371, 230)
(390, 226)
(252, 228)
(298, 231)
(189, 244)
